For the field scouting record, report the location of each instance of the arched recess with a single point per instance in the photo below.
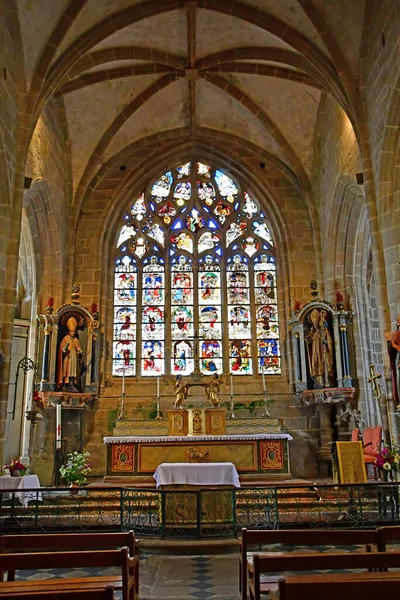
(278, 211)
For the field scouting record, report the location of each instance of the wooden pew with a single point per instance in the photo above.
(106, 594)
(315, 562)
(346, 586)
(295, 537)
(69, 560)
(72, 541)
(390, 534)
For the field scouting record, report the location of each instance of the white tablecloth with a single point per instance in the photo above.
(223, 473)
(21, 483)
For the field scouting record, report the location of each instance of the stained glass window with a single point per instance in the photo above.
(195, 279)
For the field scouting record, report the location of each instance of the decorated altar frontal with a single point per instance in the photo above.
(257, 457)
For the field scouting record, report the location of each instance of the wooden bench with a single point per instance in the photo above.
(106, 594)
(315, 562)
(70, 560)
(387, 535)
(72, 541)
(293, 537)
(346, 586)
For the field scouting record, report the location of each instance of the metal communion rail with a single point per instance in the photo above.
(199, 513)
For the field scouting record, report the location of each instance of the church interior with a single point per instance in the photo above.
(199, 237)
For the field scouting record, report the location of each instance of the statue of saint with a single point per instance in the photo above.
(181, 392)
(213, 390)
(320, 350)
(393, 346)
(70, 359)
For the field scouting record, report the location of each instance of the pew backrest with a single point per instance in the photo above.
(106, 594)
(368, 586)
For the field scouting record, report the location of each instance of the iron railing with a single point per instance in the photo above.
(202, 513)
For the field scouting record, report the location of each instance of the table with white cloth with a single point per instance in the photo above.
(199, 474)
(27, 482)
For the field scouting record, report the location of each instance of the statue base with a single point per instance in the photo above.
(178, 421)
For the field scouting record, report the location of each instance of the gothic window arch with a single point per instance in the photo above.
(195, 279)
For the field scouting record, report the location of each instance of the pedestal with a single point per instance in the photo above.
(215, 421)
(178, 422)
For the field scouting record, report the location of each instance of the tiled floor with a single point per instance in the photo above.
(208, 577)
(172, 577)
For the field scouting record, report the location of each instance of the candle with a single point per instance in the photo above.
(263, 379)
(123, 381)
(158, 387)
(231, 385)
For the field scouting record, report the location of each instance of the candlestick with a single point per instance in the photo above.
(231, 413)
(158, 415)
(122, 408)
(263, 379)
(58, 426)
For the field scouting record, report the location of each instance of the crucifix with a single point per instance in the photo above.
(377, 393)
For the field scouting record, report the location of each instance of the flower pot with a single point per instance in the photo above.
(15, 473)
(73, 488)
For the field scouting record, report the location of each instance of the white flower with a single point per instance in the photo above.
(387, 466)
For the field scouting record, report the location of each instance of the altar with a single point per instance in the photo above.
(257, 457)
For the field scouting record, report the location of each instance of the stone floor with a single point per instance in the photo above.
(172, 577)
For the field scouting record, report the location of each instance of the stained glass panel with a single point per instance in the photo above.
(267, 316)
(207, 241)
(195, 221)
(139, 208)
(170, 228)
(235, 230)
(225, 185)
(250, 207)
(239, 316)
(182, 325)
(153, 330)
(127, 232)
(210, 326)
(261, 229)
(182, 193)
(240, 357)
(161, 188)
(184, 170)
(206, 192)
(182, 241)
(203, 169)
(153, 357)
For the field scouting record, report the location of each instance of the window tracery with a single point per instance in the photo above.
(195, 279)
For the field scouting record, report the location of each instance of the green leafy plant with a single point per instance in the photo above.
(111, 419)
(76, 468)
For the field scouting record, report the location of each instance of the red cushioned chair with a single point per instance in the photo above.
(372, 445)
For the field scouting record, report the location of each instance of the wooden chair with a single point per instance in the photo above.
(371, 445)
(315, 562)
(346, 586)
(71, 541)
(291, 537)
(70, 560)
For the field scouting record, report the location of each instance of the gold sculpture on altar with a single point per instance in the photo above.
(212, 390)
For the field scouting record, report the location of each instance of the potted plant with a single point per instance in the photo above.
(76, 468)
(16, 468)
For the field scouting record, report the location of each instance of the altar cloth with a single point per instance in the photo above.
(27, 482)
(116, 439)
(221, 473)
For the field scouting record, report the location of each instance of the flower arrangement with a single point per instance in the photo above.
(16, 467)
(76, 468)
(388, 459)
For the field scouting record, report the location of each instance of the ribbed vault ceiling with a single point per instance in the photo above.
(253, 71)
